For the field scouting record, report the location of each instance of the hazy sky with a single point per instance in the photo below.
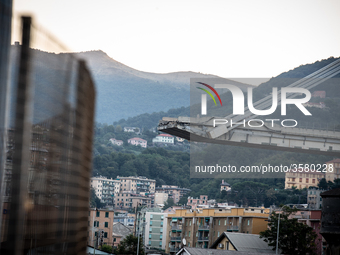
(239, 38)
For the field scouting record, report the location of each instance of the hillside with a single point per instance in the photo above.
(124, 92)
(330, 115)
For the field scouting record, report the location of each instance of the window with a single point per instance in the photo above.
(106, 224)
(114, 239)
(189, 222)
(150, 223)
(150, 229)
(160, 243)
(300, 180)
(149, 236)
(248, 222)
(219, 222)
(98, 214)
(105, 235)
(189, 233)
(151, 216)
(188, 244)
(307, 180)
(313, 181)
(161, 237)
(218, 233)
(225, 222)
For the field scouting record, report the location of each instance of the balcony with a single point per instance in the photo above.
(177, 228)
(203, 227)
(203, 238)
(232, 228)
(175, 239)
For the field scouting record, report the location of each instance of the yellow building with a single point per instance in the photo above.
(302, 178)
(201, 227)
(333, 170)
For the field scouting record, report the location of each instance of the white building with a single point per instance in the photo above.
(163, 138)
(132, 130)
(116, 142)
(155, 229)
(160, 198)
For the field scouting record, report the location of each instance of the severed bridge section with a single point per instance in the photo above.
(269, 136)
(250, 130)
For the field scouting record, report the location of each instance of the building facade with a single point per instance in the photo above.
(195, 202)
(160, 198)
(155, 230)
(225, 186)
(174, 192)
(201, 227)
(302, 178)
(314, 199)
(333, 170)
(164, 138)
(105, 188)
(100, 221)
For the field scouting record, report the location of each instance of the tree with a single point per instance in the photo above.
(129, 245)
(168, 203)
(94, 200)
(183, 200)
(294, 237)
(106, 248)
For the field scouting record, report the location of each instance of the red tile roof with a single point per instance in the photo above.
(165, 135)
(337, 160)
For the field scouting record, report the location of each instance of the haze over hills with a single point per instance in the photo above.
(124, 92)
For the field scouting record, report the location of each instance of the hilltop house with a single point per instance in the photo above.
(116, 142)
(163, 138)
(138, 141)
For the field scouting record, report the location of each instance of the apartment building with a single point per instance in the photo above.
(105, 188)
(127, 219)
(136, 184)
(100, 221)
(131, 200)
(314, 199)
(201, 227)
(195, 202)
(155, 229)
(174, 192)
(302, 178)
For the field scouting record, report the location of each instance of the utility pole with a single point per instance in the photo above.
(135, 219)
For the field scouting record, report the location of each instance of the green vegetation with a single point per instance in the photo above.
(294, 237)
(129, 246)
